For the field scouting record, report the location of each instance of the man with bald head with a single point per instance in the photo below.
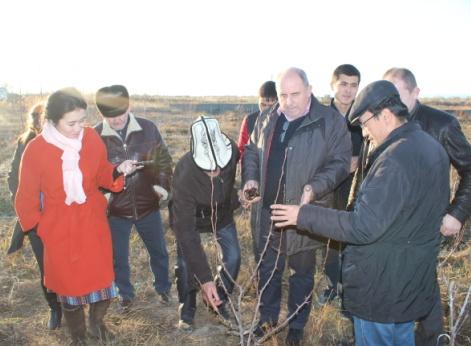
(297, 154)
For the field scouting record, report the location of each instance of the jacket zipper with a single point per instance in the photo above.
(132, 192)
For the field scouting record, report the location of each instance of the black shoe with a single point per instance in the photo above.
(294, 337)
(346, 342)
(54, 319)
(186, 326)
(223, 312)
(327, 296)
(226, 317)
(187, 314)
(164, 298)
(187, 310)
(263, 328)
(346, 315)
(125, 304)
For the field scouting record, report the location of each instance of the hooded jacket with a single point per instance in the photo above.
(200, 204)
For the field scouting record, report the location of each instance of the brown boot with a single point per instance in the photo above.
(75, 320)
(95, 318)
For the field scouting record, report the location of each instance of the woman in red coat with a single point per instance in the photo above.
(61, 172)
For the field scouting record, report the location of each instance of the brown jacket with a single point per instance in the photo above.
(143, 143)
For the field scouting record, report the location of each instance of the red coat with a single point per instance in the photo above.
(77, 241)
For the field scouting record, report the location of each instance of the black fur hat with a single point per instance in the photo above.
(112, 101)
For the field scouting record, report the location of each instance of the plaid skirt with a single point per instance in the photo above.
(92, 297)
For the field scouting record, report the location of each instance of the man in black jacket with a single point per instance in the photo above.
(345, 83)
(446, 129)
(203, 201)
(389, 269)
(129, 137)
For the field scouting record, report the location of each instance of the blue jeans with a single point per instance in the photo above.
(150, 229)
(369, 333)
(229, 243)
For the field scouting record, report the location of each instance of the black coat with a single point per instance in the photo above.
(318, 154)
(389, 269)
(18, 235)
(446, 129)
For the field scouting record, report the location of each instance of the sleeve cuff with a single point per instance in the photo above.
(116, 174)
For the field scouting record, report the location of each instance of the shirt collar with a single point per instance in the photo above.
(306, 111)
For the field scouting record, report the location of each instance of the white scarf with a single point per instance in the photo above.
(72, 175)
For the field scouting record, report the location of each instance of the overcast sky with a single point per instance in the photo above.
(222, 47)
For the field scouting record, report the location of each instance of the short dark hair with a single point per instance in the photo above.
(64, 101)
(346, 69)
(268, 90)
(395, 105)
(403, 74)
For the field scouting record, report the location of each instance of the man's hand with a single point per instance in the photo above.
(163, 194)
(128, 167)
(284, 215)
(450, 225)
(250, 187)
(307, 196)
(210, 295)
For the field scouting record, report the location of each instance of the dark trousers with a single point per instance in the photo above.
(38, 250)
(333, 266)
(150, 229)
(229, 243)
(430, 327)
(301, 282)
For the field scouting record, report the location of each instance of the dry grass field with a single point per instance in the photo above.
(24, 312)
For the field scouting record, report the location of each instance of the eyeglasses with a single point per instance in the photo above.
(362, 124)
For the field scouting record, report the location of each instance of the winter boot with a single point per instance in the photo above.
(55, 318)
(95, 318)
(75, 320)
